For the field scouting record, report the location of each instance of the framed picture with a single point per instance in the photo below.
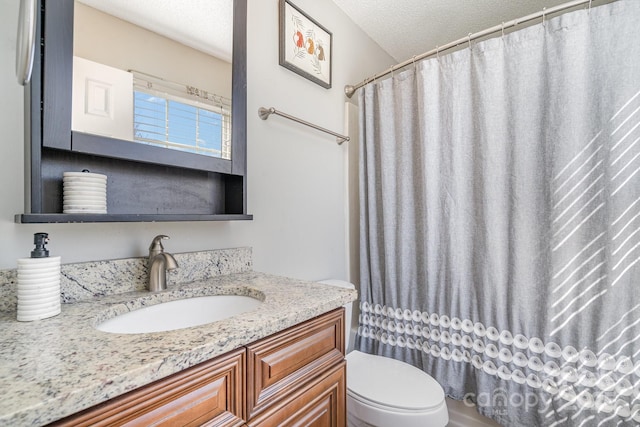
(305, 45)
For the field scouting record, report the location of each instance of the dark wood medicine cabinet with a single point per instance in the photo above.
(145, 183)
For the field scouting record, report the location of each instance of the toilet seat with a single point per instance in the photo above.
(391, 385)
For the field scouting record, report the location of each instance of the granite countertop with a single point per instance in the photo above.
(55, 367)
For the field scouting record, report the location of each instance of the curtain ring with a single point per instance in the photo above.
(469, 38)
(437, 52)
(502, 29)
(590, 5)
(544, 10)
(413, 59)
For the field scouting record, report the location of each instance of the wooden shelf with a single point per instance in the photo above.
(73, 218)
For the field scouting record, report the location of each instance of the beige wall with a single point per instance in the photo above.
(103, 38)
(296, 176)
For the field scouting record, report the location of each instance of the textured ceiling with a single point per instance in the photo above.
(205, 25)
(404, 28)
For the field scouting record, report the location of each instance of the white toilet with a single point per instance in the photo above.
(384, 392)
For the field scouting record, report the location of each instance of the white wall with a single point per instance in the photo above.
(296, 184)
(105, 39)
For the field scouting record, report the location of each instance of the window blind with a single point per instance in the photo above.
(181, 117)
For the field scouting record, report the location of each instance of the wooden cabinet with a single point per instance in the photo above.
(209, 394)
(320, 404)
(293, 378)
(281, 364)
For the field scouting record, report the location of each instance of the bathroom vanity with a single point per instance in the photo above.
(294, 377)
(280, 364)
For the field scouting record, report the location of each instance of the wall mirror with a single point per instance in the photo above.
(124, 87)
(199, 178)
(131, 79)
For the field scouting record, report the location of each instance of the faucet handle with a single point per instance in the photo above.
(156, 245)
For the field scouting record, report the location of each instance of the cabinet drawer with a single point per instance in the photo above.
(288, 361)
(322, 404)
(207, 394)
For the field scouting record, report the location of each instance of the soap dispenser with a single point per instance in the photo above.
(38, 282)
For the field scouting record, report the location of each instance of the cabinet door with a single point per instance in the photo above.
(281, 364)
(209, 394)
(322, 404)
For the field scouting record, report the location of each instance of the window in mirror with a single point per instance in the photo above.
(181, 117)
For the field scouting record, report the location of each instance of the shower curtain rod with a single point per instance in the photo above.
(349, 90)
(264, 114)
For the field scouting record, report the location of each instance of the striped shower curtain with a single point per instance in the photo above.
(500, 220)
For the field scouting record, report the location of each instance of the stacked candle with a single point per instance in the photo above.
(84, 192)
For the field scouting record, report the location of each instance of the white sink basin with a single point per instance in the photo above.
(178, 314)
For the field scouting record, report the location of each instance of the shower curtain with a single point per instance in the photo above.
(500, 220)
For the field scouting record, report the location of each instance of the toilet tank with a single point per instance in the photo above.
(348, 308)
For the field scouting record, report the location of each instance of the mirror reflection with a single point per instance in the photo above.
(155, 72)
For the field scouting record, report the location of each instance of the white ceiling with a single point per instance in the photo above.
(404, 28)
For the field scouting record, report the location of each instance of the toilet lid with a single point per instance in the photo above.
(391, 383)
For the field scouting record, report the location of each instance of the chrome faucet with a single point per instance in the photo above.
(159, 262)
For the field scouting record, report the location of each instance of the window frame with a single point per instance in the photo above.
(220, 109)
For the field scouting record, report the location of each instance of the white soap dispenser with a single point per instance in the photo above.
(38, 282)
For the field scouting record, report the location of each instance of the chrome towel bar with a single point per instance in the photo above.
(264, 114)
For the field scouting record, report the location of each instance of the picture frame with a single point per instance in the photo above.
(306, 47)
